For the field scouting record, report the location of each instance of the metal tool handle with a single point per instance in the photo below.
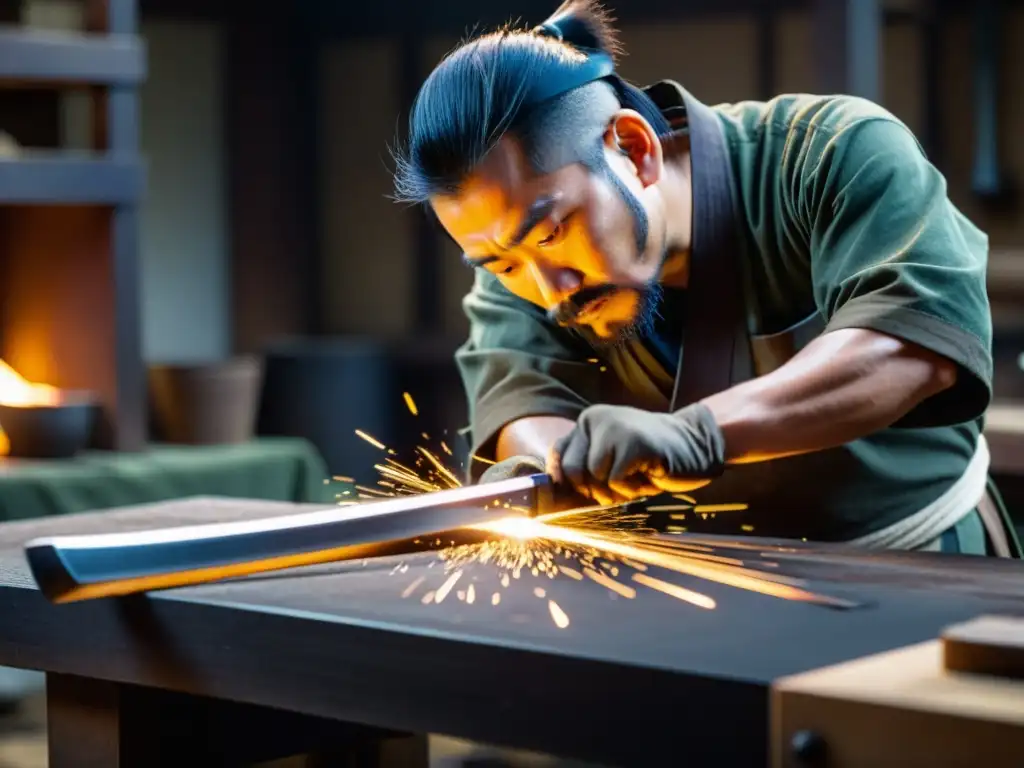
(69, 568)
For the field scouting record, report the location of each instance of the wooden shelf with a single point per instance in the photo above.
(58, 57)
(53, 178)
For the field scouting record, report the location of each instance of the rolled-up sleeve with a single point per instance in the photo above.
(890, 252)
(516, 363)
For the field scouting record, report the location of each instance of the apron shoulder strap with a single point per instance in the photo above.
(715, 316)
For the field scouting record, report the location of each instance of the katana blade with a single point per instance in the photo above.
(71, 568)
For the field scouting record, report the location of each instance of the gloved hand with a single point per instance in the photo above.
(514, 466)
(617, 454)
(563, 498)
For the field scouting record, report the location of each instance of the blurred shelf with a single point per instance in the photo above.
(35, 56)
(1004, 430)
(54, 178)
(1006, 273)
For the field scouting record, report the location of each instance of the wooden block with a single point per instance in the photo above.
(988, 645)
(900, 709)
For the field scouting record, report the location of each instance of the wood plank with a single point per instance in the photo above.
(989, 645)
(30, 55)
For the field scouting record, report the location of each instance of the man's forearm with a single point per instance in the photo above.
(532, 436)
(843, 386)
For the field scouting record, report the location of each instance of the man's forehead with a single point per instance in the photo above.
(505, 166)
(491, 197)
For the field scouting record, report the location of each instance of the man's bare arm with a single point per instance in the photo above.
(532, 436)
(843, 386)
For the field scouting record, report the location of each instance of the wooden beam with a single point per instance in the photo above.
(428, 285)
(848, 50)
(270, 126)
(767, 51)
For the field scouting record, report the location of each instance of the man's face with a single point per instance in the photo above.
(565, 241)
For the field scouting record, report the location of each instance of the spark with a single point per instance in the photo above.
(670, 508)
(470, 594)
(609, 583)
(428, 598)
(410, 404)
(413, 586)
(482, 460)
(712, 508)
(572, 574)
(539, 591)
(496, 598)
(445, 588)
(342, 479)
(372, 491)
(558, 615)
(680, 593)
(371, 440)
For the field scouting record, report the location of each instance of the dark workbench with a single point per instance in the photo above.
(273, 666)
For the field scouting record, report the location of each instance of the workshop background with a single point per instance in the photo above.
(278, 280)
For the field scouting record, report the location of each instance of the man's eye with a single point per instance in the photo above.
(502, 268)
(553, 237)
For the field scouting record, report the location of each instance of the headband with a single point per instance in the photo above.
(597, 66)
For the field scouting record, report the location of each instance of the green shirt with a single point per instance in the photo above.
(844, 224)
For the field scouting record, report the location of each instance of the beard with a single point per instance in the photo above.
(649, 295)
(567, 314)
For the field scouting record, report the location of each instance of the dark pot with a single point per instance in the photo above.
(206, 404)
(50, 431)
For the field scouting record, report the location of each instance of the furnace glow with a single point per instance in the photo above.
(604, 545)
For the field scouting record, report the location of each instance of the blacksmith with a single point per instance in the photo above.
(772, 303)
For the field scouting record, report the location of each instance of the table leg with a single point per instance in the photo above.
(99, 724)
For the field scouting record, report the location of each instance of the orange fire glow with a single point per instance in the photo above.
(16, 390)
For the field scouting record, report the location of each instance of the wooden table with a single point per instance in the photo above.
(348, 659)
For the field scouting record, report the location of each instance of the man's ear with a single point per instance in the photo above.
(633, 137)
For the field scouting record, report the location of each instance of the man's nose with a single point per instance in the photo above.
(556, 283)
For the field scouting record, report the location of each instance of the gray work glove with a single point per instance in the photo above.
(560, 499)
(514, 466)
(617, 454)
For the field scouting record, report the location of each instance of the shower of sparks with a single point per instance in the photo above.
(605, 545)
